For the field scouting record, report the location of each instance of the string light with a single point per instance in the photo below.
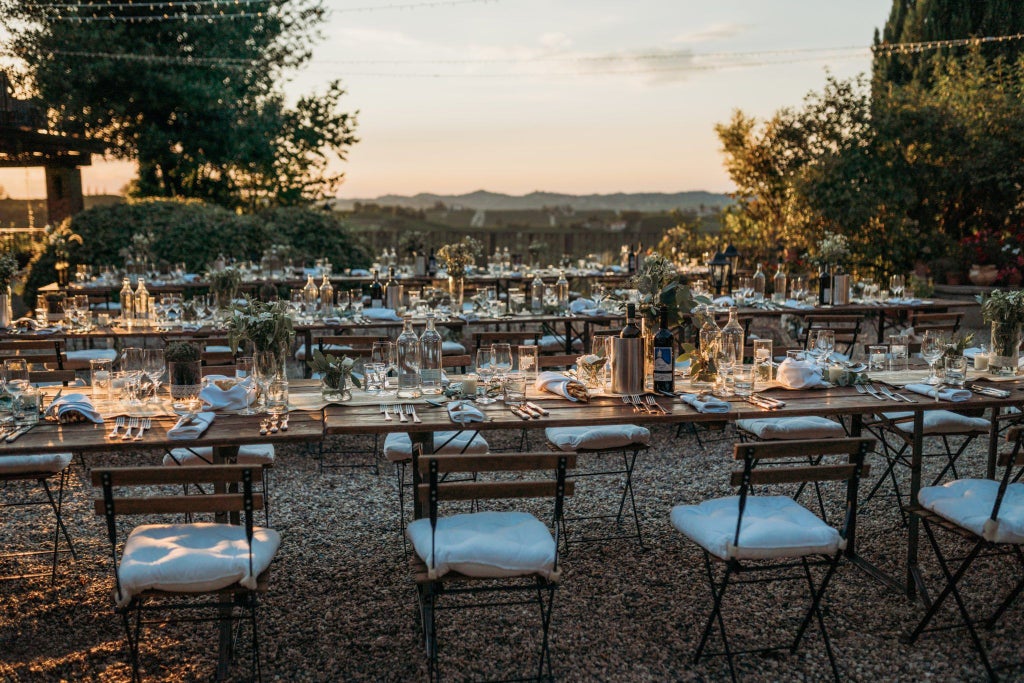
(163, 17)
(170, 4)
(912, 48)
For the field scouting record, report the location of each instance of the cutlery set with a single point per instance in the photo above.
(529, 411)
(274, 424)
(645, 404)
(130, 423)
(404, 412)
(765, 402)
(11, 432)
(882, 393)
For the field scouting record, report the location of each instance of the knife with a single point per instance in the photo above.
(543, 411)
(17, 432)
(519, 413)
(892, 394)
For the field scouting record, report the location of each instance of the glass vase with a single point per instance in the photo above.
(456, 289)
(6, 312)
(335, 389)
(1006, 340)
(185, 381)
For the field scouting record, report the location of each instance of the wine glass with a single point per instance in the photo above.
(16, 370)
(154, 366)
(264, 370)
(825, 342)
(932, 350)
(383, 356)
(896, 286)
(133, 363)
(485, 369)
(501, 359)
(598, 292)
(244, 369)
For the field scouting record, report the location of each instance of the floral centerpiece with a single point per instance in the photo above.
(335, 375)
(266, 325)
(1005, 312)
(224, 284)
(8, 270)
(832, 250)
(457, 258)
(184, 372)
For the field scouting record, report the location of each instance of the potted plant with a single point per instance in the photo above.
(457, 258)
(8, 270)
(185, 374)
(335, 375)
(1005, 312)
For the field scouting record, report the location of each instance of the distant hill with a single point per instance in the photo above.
(14, 212)
(495, 201)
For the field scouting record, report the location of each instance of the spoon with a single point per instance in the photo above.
(263, 427)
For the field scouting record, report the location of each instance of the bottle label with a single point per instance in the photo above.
(663, 362)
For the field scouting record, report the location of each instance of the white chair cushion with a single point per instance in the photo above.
(183, 558)
(968, 503)
(452, 348)
(602, 436)
(217, 348)
(486, 544)
(252, 454)
(92, 354)
(398, 445)
(300, 353)
(50, 463)
(779, 428)
(554, 343)
(942, 422)
(773, 527)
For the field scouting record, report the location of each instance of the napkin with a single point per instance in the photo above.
(724, 301)
(799, 374)
(947, 394)
(793, 303)
(332, 320)
(580, 305)
(708, 404)
(469, 317)
(557, 383)
(233, 398)
(381, 314)
(360, 272)
(65, 407)
(972, 352)
(193, 429)
(463, 412)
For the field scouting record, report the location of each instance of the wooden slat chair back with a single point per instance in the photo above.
(462, 361)
(483, 339)
(847, 329)
(946, 324)
(140, 491)
(40, 354)
(560, 362)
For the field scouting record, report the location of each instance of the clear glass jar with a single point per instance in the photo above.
(430, 359)
(408, 355)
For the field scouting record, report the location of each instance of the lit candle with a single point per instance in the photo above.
(469, 385)
(981, 361)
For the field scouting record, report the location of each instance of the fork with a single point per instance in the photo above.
(412, 412)
(384, 409)
(117, 425)
(638, 401)
(400, 409)
(628, 400)
(146, 424)
(132, 424)
(862, 389)
(651, 401)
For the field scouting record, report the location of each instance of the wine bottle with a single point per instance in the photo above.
(759, 282)
(632, 328)
(376, 292)
(562, 292)
(664, 357)
(537, 294)
(631, 261)
(824, 287)
(432, 265)
(392, 291)
(779, 286)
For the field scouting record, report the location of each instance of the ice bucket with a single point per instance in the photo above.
(627, 358)
(841, 290)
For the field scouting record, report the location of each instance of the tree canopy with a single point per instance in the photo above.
(195, 99)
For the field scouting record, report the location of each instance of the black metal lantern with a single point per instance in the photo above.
(718, 270)
(732, 255)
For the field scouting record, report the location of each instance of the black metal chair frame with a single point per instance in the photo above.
(265, 489)
(980, 548)
(784, 569)
(542, 589)
(56, 506)
(235, 604)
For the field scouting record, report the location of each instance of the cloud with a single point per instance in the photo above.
(717, 31)
(555, 41)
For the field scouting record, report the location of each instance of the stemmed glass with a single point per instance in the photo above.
(598, 292)
(501, 359)
(154, 366)
(133, 363)
(485, 368)
(932, 350)
(383, 356)
(244, 375)
(16, 370)
(896, 286)
(264, 370)
(825, 342)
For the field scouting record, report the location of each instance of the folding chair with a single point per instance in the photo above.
(989, 515)
(260, 454)
(173, 567)
(491, 552)
(944, 323)
(40, 469)
(752, 535)
(625, 440)
(847, 328)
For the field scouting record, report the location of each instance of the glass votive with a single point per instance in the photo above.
(795, 354)
(100, 371)
(956, 371)
(981, 361)
(898, 354)
(29, 405)
(469, 385)
(743, 380)
(41, 316)
(515, 389)
(528, 360)
(277, 396)
(763, 360)
(838, 375)
(877, 356)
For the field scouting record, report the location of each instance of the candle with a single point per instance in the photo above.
(469, 385)
(981, 361)
(837, 375)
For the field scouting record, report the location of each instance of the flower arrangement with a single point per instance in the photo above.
(8, 270)
(183, 360)
(832, 250)
(655, 273)
(224, 283)
(958, 344)
(266, 324)
(140, 249)
(335, 373)
(459, 256)
(1003, 307)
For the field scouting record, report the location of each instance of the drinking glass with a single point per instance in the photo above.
(896, 286)
(16, 370)
(99, 377)
(597, 293)
(265, 370)
(898, 352)
(515, 389)
(154, 365)
(956, 371)
(244, 368)
(485, 369)
(501, 359)
(743, 379)
(825, 342)
(932, 350)
(528, 361)
(382, 353)
(876, 356)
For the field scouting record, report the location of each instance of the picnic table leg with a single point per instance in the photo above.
(993, 445)
(881, 326)
(856, 426)
(914, 582)
(307, 335)
(225, 455)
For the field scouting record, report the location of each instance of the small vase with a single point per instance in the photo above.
(456, 288)
(983, 276)
(6, 313)
(1005, 357)
(185, 379)
(335, 390)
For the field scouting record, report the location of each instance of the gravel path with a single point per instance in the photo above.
(342, 603)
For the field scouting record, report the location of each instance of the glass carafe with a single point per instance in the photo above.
(407, 348)
(430, 359)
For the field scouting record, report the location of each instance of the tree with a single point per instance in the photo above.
(195, 101)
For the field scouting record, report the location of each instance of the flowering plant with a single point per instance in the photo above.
(459, 256)
(266, 325)
(225, 282)
(1003, 307)
(833, 249)
(8, 269)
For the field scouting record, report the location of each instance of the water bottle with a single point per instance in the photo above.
(408, 352)
(430, 359)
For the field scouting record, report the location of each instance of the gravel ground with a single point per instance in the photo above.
(342, 603)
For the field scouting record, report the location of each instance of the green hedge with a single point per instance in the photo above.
(196, 233)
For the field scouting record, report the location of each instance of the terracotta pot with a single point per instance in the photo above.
(983, 276)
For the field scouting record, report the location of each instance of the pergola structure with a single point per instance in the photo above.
(25, 142)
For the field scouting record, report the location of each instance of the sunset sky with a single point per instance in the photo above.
(575, 96)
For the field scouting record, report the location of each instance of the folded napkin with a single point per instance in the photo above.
(332, 320)
(381, 314)
(232, 398)
(947, 394)
(580, 305)
(799, 374)
(360, 272)
(469, 317)
(724, 301)
(707, 404)
(905, 302)
(557, 383)
(463, 412)
(190, 427)
(66, 408)
(793, 303)
(972, 352)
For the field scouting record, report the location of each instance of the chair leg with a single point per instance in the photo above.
(257, 665)
(815, 610)
(400, 474)
(132, 633)
(545, 616)
(59, 528)
(717, 594)
(1014, 594)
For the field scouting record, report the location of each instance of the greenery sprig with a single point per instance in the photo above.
(335, 372)
(1003, 307)
(8, 269)
(267, 325)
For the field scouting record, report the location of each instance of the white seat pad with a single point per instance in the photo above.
(45, 463)
(968, 503)
(452, 348)
(778, 428)
(602, 436)
(252, 454)
(91, 354)
(398, 445)
(486, 544)
(773, 527)
(182, 558)
(554, 343)
(942, 422)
